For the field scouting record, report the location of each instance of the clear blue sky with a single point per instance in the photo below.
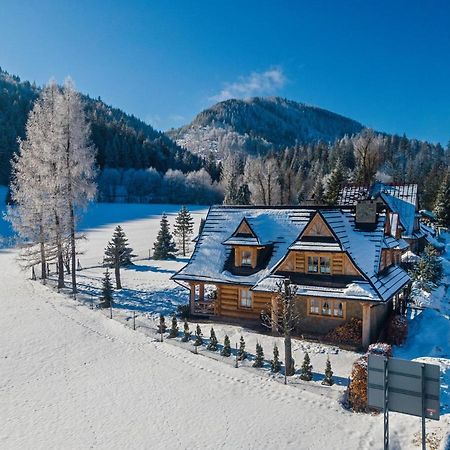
(385, 63)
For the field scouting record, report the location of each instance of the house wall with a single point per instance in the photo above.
(297, 261)
(229, 305)
(322, 324)
(378, 316)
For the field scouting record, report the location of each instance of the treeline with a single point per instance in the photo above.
(151, 186)
(121, 140)
(306, 172)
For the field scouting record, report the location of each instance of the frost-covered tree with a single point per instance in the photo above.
(318, 192)
(107, 291)
(442, 203)
(164, 247)
(259, 358)
(263, 178)
(368, 146)
(230, 177)
(212, 345)
(118, 253)
(183, 228)
(79, 163)
(335, 183)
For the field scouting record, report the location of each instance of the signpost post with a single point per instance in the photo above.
(407, 387)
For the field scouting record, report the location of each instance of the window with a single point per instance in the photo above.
(314, 306)
(322, 262)
(313, 264)
(246, 298)
(325, 265)
(246, 258)
(327, 308)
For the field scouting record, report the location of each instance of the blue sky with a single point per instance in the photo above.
(385, 63)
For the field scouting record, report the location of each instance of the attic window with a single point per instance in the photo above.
(246, 258)
(313, 264)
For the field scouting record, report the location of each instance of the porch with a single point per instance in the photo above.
(203, 299)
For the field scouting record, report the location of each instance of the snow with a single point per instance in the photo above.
(72, 378)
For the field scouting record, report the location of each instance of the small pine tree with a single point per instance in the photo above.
(226, 351)
(318, 191)
(328, 380)
(164, 247)
(212, 345)
(198, 336)
(242, 354)
(275, 365)
(306, 374)
(186, 332)
(162, 327)
(183, 228)
(118, 253)
(335, 183)
(174, 330)
(243, 195)
(442, 203)
(259, 359)
(107, 291)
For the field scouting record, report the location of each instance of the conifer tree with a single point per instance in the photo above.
(164, 247)
(118, 253)
(212, 345)
(162, 327)
(428, 270)
(242, 354)
(183, 228)
(186, 332)
(275, 365)
(328, 380)
(335, 183)
(442, 203)
(306, 369)
(243, 195)
(107, 291)
(174, 329)
(259, 359)
(198, 336)
(318, 192)
(226, 351)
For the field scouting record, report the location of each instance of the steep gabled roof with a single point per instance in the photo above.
(282, 228)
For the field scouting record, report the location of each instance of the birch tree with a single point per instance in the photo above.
(79, 163)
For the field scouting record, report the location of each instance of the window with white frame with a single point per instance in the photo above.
(246, 258)
(313, 264)
(246, 298)
(325, 265)
(326, 307)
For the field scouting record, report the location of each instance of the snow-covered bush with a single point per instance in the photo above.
(397, 329)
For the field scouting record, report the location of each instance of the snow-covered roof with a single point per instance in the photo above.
(399, 198)
(282, 227)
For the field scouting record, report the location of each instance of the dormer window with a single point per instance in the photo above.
(246, 258)
(319, 264)
(313, 264)
(325, 265)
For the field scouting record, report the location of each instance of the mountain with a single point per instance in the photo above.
(122, 140)
(260, 124)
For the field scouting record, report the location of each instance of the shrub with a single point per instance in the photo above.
(397, 330)
(348, 333)
(184, 311)
(357, 389)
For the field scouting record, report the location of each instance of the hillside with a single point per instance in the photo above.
(257, 125)
(121, 139)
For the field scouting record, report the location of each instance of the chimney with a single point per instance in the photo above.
(366, 214)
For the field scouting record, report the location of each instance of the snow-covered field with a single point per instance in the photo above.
(72, 378)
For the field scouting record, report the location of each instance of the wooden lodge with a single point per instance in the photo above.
(344, 262)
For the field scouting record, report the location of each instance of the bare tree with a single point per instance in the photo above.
(263, 178)
(283, 319)
(367, 154)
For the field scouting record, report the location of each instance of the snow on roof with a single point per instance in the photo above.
(235, 240)
(281, 227)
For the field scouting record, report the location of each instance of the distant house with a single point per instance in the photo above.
(344, 262)
(401, 201)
